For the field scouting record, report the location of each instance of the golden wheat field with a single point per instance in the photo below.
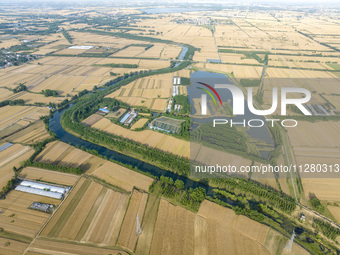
(122, 177)
(46, 247)
(5, 94)
(151, 92)
(205, 154)
(12, 247)
(132, 51)
(65, 155)
(334, 100)
(34, 133)
(39, 174)
(335, 211)
(151, 138)
(240, 72)
(317, 146)
(10, 115)
(139, 124)
(12, 157)
(213, 230)
(127, 237)
(218, 222)
(20, 220)
(161, 51)
(92, 213)
(326, 189)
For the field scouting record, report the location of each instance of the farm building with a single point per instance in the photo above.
(176, 80)
(44, 186)
(166, 124)
(128, 117)
(168, 108)
(81, 47)
(175, 90)
(104, 110)
(41, 207)
(40, 192)
(42, 189)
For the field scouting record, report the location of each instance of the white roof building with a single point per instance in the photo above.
(43, 186)
(42, 189)
(39, 192)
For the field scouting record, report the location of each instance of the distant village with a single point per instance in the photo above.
(8, 59)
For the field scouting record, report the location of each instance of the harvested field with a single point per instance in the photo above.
(151, 138)
(30, 135)
(92, 213)
(212, 156)
(63, 154)
(64, 74)
(221, 222)
(335, 210)
(12, 247)
(107, 218)
(316, 135)
(46, 247)
(20, 220)
(275, 244)
(174, 231)
(240, 72)
(214, 230)
(139, 124)
(334, 100)
(11, 157)
(5, 94)
(61, 83)
(31, 98)
(151, 92)
(326, 189)
(20, 114)
(148, 225)
(127, 237)
(131, 51)
(122, 177)
(237, 59)
(163, 51)
(56, 223)
(320, 145)
(39, 174)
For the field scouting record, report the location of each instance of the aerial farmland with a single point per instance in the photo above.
(105, 147)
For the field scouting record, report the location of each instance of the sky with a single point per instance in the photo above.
(251, 2)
